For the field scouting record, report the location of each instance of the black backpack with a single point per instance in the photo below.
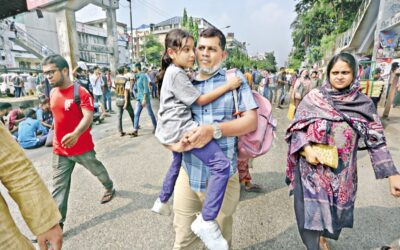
(77, 100)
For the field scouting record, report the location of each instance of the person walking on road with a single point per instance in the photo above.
(106, 88)
(123, 99)
(175, 119)
(282, 86)
(193, 177)
(338, 115)
(143, 99)
(72, 141)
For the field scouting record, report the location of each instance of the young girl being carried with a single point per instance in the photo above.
(175, 120)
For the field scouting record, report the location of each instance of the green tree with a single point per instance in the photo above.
(238, 59)
(196, 31)
(316, 19)
(152, 50)
(191, 26)
(184, 18)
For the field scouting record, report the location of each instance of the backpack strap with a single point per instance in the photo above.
(77, 97)
(232, 72)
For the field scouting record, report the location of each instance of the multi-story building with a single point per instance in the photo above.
(93, 43)
(160, 30)
(93, 40)
(232, 43)
(139, 37)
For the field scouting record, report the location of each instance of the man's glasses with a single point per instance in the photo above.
(50, 72)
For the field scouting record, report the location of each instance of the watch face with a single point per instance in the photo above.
(217, 132)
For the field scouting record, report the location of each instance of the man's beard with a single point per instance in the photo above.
(59, 82)
(209, 71)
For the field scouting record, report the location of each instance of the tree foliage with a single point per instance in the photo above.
(184, 18)
(152, 50)
(317, 24)
(190, 24)
(238, 59)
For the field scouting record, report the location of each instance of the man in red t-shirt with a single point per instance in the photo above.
(72, 141)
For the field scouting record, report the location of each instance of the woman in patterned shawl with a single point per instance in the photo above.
(336, 114)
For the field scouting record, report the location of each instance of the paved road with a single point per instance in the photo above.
(262, 221)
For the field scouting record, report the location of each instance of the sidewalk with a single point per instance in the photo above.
(31, 101)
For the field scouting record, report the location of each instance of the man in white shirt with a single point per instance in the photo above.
(97, 82)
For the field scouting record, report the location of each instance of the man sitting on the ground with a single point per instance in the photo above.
(28, 130)
(5, 108)
(44, 115)
(14, 118)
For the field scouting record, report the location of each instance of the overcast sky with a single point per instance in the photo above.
(263, 24)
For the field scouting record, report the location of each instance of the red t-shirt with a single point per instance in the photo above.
(67, 116)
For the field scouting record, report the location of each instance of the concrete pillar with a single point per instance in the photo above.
(68, 36)
(112, 39)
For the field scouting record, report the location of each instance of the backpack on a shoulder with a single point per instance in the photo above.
(258, 142)
(77, 100)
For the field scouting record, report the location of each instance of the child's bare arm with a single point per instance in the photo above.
(233, 83)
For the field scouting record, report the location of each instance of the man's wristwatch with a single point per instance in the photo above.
(217, 131)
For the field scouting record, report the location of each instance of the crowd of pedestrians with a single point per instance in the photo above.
(198, 122)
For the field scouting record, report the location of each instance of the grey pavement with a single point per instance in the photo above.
(262, 220)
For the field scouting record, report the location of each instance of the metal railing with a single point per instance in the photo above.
(28, 42)
(345, 38)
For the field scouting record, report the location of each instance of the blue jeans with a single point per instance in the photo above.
(134, 91)
(153, 90)
(107, 100)
(212, 156)
(266, 92)
(17, 91)
(138, 110)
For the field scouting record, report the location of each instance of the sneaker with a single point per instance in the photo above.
(161, 208)
(209, 233)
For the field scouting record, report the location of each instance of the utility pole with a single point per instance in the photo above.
(130, 16)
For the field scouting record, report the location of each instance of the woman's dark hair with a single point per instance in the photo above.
(214, 32)
(58, 60)
(345, 57)
(395, 66)
(174, 41)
